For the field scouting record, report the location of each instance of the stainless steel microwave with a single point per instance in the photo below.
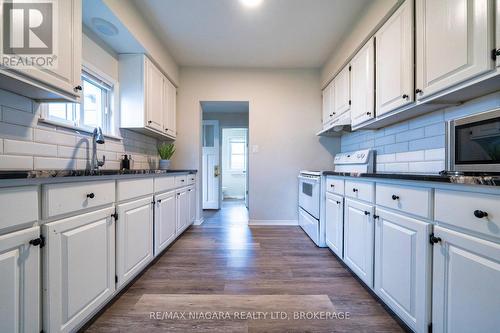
(473, 143)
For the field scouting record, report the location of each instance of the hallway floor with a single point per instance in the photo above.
(225, 276)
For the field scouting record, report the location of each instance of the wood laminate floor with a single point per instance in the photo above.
(224, 276)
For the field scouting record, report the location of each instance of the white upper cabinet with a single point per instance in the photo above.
(63, 81)
(363, 84)
(155, 98)
(454, 43)
(169, 114)
(328, 103)
(20, 282)
(147, 97)
(465, 283)
(342, 92)
(394, 65)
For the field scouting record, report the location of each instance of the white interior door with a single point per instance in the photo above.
(210, 164)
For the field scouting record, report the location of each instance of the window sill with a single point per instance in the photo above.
(76, 128)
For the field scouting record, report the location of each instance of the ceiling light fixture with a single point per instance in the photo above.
(251, 3)
(104, 27)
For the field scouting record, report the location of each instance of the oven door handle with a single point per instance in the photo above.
(309, 180)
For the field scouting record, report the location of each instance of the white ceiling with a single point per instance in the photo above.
(278, 34)
(224, 107)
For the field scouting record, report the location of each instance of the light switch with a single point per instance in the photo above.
(255, 149)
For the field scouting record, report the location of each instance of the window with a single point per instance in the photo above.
(237, 154)
(94, 109)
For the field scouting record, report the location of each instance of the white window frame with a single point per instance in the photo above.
(110, 122)
(230, 159)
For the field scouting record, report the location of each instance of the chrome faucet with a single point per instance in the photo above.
(97, 138)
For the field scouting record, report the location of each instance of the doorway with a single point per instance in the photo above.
(225, 164)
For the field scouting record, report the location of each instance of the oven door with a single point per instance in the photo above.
(309, 195)
(474, 143)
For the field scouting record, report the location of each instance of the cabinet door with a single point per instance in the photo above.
(327, 103)
(169, 121)
(497, 31)
(342, 92)
(20, 282)
(454, 42)
(182, 202)
(465, 287)
(402, 267)
(358, 239)
(66, 75)
(334, 209)
(134, 238)
(78, 268)
(394, 67)
(154, 97)
(363, 84)
(192, 205)
(165, 220)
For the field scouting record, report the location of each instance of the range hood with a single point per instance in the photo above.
(339, 126)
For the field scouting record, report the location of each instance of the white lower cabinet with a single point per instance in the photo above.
(358, 239)
(465, 283)
(334, 215)
(182, 205)
(134, 238)
(165, 221)
(402, 267)
(192, 204)
(78, 268)
(20, 282)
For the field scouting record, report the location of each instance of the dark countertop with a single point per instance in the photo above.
(40, 174)
(468, 179)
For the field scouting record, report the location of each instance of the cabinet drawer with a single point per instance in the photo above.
(164, 183)
(133, 188)
(11, 201)
(411, 200)
(191, 179)
(360, 190)
(66, 198)
(460, 208)
(335, 185)
(181, 181)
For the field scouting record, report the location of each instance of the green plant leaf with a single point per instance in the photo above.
(166, 150)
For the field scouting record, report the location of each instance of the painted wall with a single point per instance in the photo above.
(126, 11)
(367, 24)
(233, 182)
(285, 108)
(27, 144)
(416, 145)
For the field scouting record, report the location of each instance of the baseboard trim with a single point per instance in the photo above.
(199, 221)
(273, 222)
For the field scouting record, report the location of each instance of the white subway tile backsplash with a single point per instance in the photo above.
(410, 135)
(410, 156)
(428, 119)
(48, 163)
(396, 148)
(385, 158)
(14, 147)
(54, 137)
(435, 154)
(16, 132)
(47, 146)
(397, 128)
(13, 116)
(11, 162)
(396, 167)
(427, 143)
(426, 167)
(385, 140)
(435, 129)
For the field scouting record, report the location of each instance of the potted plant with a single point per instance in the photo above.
(166, 150)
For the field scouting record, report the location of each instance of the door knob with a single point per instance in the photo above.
(418, 91)
(405, 96)
(216, 171)
(91, 195)
(480, 214)
(395, 197)
(368, 113)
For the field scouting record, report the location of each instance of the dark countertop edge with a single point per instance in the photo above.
(487, 180)
(48, 174)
